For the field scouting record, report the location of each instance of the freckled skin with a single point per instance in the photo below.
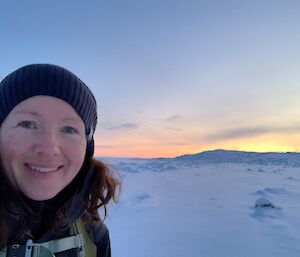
(42, 133)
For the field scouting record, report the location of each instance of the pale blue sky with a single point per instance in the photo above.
(171, 77)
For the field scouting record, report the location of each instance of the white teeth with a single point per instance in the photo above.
(41, 169)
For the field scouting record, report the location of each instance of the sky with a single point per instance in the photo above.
(171, 77)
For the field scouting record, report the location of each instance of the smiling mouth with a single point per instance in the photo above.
(43, 169)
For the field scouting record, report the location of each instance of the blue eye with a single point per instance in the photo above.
(27, 124)
(69, 130)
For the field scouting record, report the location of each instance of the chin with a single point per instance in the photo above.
(40, 196)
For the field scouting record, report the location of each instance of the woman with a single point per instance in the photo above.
(51, 187)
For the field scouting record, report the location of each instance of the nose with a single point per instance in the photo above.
(47, 144)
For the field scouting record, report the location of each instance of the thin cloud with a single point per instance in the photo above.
(168, 119)
(124, 126)
(249, 132)
(297, 125)
(173, 129)
(241, 132)
(172, 118)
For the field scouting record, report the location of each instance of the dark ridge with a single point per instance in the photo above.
(226, 156)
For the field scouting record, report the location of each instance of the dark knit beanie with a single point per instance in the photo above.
(50, 80)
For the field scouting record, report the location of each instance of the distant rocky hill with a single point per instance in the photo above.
(226, 156)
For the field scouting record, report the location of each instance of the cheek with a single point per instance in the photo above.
(14, 145)
(11, 151)
(76, 155)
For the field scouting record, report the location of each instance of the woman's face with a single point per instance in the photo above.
(42, 146)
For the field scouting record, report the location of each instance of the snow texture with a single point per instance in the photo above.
(214, 204)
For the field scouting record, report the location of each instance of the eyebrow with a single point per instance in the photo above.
(72, 119)
(27, 112)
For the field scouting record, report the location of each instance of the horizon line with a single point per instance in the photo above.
(212, 150)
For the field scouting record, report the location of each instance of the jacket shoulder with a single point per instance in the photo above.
(99, 235)
(97, 232)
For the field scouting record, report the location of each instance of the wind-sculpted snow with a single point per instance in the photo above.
(276, 191)
(292, 178)
(177, 208)
(154, 165)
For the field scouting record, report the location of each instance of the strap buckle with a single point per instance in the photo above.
(17, 250)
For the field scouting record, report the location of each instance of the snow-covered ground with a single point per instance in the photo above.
(183, 207)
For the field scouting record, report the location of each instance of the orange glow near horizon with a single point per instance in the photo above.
(165, 153)
(266, 143)
(140, 152)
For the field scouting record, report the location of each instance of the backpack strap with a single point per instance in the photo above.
(90, 248)
(46, 248)
(91, 233)
(85, 237)
(96, 231)
(3, 252)
(63, 244)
